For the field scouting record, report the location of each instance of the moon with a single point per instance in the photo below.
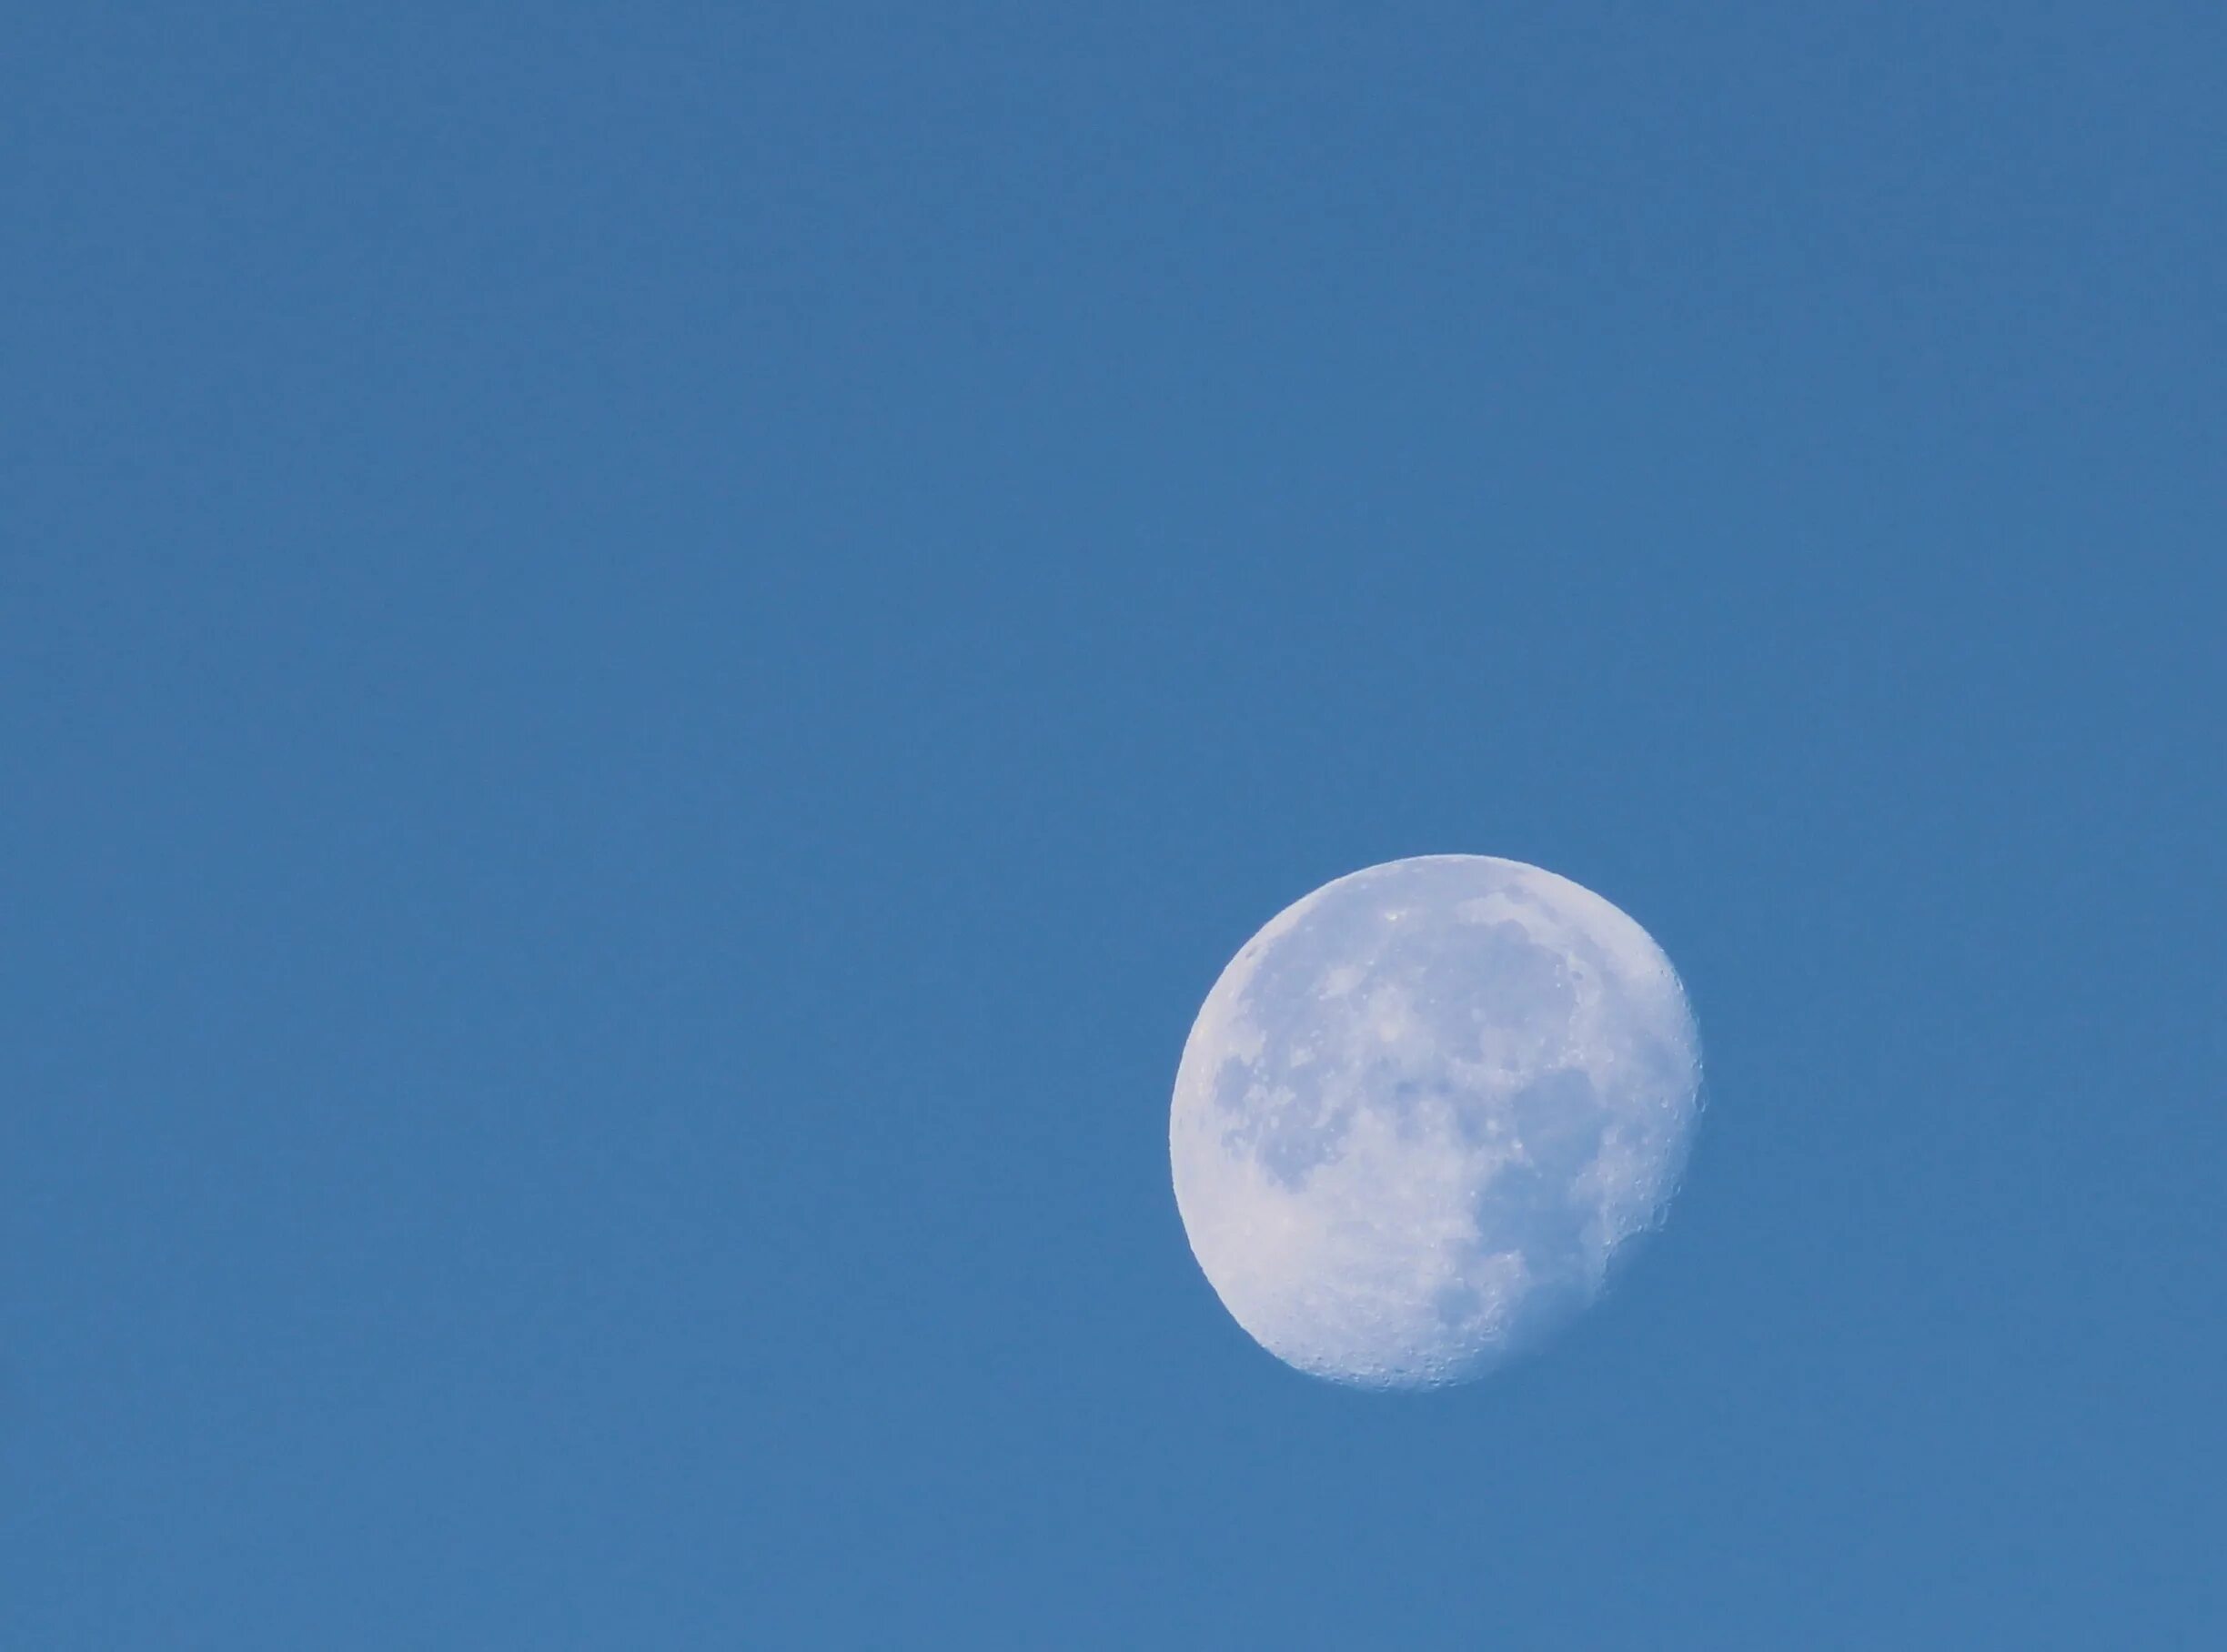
(1424, 1111)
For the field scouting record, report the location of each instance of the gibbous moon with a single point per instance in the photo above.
(1421, 1112)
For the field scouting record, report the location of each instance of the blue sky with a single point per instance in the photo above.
(649, 658)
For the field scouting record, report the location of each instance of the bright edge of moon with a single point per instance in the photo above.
(1423, 1112)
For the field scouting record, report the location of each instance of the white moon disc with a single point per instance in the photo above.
(1422, 1109)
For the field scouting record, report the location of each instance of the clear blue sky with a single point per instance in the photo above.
(650, 655)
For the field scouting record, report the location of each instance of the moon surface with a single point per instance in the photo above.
(1421, 1112)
